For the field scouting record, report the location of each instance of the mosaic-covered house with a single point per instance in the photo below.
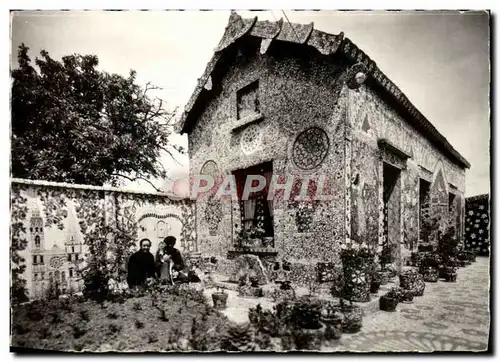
(290, 100)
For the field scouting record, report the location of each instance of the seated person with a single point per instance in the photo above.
(141, 265)
(169, 262)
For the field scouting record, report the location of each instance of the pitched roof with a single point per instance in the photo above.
(326, 44)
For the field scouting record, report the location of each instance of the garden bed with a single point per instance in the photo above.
(176, 322)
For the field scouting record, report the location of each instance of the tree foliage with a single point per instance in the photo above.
(74, 123)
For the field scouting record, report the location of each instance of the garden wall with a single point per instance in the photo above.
(54, 228)
(477, 224)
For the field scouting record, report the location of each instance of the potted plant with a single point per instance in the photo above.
(406, 295)
(375, 282)
(450, 274)
(333, 319)
(357, 260)
(306, 317)
(389, 301)
(219, 298)
(419, 286)
(431, 275)
(352, 314)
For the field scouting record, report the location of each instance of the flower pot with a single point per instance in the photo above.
(419, 287)
(431, 275)
(333, 332)
(388, 304)
(407, 296)
(375, 286)
(220, 300)
(407, 279)
(309, 339)
(353, 319)
(451, 277)
(384, 277)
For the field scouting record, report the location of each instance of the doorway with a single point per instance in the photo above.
(392, 213)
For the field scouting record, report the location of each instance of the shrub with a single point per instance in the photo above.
(114, 328)
(152, 337)
(78, 331)
(84, 315)
(139, 324)
(137, 306)
(112, 315)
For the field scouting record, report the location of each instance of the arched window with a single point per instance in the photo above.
(71, 273)
(63, 275)
(37, 241)
(161, 227)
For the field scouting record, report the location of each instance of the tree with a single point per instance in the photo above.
(74, 123)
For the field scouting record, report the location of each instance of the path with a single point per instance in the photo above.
(448, 317)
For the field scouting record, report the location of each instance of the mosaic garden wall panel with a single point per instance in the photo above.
(477, 224)
(54, 229)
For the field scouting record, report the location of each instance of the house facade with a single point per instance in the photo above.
(291, 101)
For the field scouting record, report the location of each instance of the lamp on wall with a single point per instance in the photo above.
(356, 75)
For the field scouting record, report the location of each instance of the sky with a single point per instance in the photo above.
(440, 60)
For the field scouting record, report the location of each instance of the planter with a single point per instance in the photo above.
(353, 319)
(419, 287)
(220, 300)
(431, 275)
(375, 286)
(309, 339)
(388, 304)
(450, 277)
(407, 296)
(356, 270)
(384, 277)
(407, 279)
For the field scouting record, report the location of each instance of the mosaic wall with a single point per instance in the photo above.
(371, 119)
(297, 98)
(477, 224)
(53, 227)
(365, 104)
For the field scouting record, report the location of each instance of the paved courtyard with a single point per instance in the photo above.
(448, 317)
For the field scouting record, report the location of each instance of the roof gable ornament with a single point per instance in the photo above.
(235, 29)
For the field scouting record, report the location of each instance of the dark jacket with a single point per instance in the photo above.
(141, 266)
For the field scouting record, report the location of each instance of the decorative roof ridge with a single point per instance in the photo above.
(326, 44)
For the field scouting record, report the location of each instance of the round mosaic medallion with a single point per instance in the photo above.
(310, 148)
(251, 139)
(56, 262)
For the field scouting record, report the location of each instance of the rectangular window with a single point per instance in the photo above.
(72, 249)
(41, 259)
(69, 257)
(248, 100)
(71, 273)
(35, 261)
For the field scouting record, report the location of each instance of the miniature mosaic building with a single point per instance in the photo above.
(290, 100)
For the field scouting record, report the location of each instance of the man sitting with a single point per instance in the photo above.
(141, 265)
